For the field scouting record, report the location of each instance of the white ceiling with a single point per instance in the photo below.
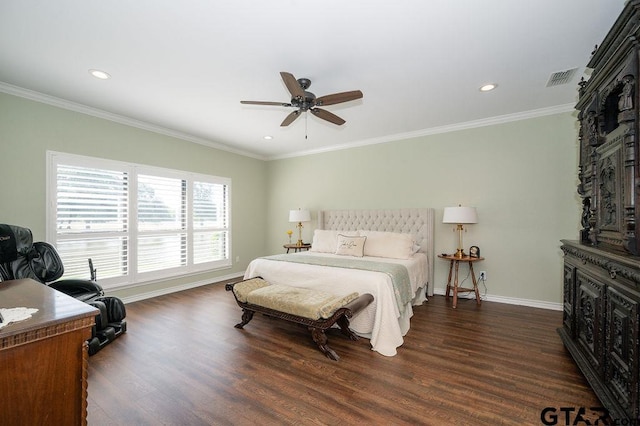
(183, 66)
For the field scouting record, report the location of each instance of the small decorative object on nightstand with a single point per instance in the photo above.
(455, 261)
(289, 233)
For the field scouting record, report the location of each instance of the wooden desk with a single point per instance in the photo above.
(296, 248)
(43, 360)
(455, 261)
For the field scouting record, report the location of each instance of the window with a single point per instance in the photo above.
(135, 222)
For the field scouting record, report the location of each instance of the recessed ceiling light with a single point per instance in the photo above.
(99, 74)
(488, 87)
(268, 137)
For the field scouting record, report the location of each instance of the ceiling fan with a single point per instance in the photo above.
(305, 101)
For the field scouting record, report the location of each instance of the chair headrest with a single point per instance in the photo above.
(14, 240)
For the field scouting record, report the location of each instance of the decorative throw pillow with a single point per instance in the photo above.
(391, 245)
(350, 246)
(325, 241)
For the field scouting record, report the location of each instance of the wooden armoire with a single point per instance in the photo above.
(601, 281)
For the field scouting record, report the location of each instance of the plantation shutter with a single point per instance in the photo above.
(92, 220)
(210, 222)
(137, 223)
(162, 223)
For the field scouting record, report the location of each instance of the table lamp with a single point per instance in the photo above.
(299, 216)
(460, 216)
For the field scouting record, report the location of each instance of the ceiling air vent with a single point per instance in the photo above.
(561, 77)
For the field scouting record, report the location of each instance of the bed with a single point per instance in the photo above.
(386, 321)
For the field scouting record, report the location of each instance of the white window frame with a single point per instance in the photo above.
(133, 277)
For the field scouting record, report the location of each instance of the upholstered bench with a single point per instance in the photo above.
(315, 309)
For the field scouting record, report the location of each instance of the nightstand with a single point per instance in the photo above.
(296, 248)
(455, 262)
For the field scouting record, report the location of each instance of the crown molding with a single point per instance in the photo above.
(491, 121)
(121, 119)
(95, 112)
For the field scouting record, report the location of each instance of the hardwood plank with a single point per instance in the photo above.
(182, 362)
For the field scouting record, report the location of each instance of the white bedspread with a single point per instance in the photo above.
(381, 321)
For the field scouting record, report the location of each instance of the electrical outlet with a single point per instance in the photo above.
(483, 275)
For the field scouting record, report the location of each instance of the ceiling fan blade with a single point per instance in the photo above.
(338, 98)
(290, 118)
(326, 115)
(284, 104)
(292, 85)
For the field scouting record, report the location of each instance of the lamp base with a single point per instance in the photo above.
(460, 251)
(299, 225)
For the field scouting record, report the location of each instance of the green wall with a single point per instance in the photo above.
(28, 129)
(521, 176)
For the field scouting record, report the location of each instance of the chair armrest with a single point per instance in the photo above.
(75, 287)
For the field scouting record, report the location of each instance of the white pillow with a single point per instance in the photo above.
(392, 245)
(350, 246)
(325, 241)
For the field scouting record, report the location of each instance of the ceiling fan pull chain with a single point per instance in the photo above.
(306, 116)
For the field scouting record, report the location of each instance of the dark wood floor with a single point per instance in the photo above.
(182, 362)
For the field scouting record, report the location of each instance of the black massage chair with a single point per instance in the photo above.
(21, 258)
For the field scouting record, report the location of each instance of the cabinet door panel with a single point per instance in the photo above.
(568, 315)
(590, 319)
(621, 349)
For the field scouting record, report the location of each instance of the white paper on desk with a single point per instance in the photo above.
(10, 315)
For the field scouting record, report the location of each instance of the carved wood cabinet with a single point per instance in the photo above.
(601, 282)
(600, 323)
(43, 360)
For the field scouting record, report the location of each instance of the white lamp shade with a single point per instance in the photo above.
(299, 216)
(460, 215)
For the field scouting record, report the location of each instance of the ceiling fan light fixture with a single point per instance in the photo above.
(102, 75)
(488, 87)
(304, 101)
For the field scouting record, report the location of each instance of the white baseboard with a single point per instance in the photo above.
(169, 290)
(508, 300)
(439, 291)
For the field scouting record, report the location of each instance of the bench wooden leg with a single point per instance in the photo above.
(246, 317)
(343, 322)
(321, 340)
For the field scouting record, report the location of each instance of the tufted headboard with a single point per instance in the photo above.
(418, 222)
